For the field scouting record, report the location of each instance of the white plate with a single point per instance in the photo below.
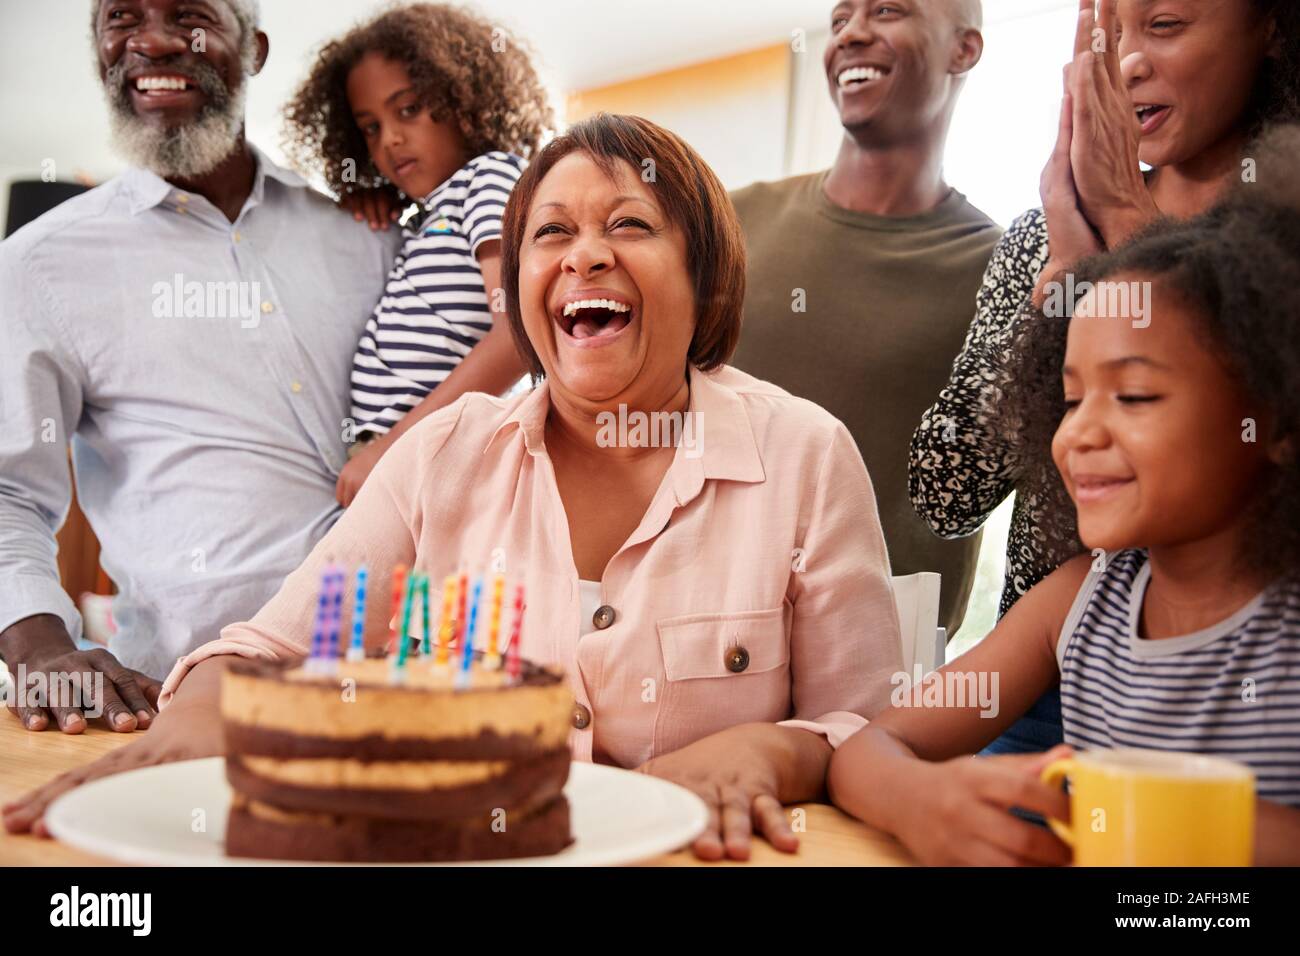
(175, 815)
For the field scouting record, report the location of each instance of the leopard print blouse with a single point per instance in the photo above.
(960, 468)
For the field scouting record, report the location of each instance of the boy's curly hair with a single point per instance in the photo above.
(1238, 266)
(463, 69)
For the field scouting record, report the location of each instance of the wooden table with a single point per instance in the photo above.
(28, 760)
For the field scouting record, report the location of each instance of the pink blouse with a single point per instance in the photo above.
(763, 536)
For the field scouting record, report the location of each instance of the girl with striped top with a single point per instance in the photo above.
(1227, 71)
(1166, 412)
(430, 104)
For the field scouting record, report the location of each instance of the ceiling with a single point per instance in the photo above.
(50, 97)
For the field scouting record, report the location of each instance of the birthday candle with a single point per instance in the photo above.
(493, 659)
(462, 592)
(399, 588)
(425, 649)
(357, 650)
(463, 680)
(335, 623)
(322, 611)
(403, 638)
(513, 663)
(448, 609)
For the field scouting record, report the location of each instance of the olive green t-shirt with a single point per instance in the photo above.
(863, 315)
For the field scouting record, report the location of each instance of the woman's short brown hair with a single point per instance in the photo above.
(691, 196)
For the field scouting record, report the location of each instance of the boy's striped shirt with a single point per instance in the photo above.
(434, 308)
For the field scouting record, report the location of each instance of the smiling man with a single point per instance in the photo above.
(862, 278)
(188, 327)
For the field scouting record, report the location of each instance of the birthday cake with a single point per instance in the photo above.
(390, 759)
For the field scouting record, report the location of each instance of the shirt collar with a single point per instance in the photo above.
(148, 189)
(528, 419)
(720, 446)
(726, 440)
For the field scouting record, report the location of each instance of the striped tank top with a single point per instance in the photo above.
(1231, 690)
(434, 308)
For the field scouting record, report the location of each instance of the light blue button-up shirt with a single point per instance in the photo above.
(200, 369)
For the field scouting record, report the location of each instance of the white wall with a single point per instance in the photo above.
(51, 104)
(732, 110)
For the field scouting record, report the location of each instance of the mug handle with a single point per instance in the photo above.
(1054, 773)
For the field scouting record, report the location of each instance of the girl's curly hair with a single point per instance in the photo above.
(1238, 266)
(463, 69)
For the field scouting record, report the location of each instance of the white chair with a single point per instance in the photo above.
(924, 641)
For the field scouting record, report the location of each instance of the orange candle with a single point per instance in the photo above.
(446, 623)
(462, 591)
(399, 591)
(493, 659)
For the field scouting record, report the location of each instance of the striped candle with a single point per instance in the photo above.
(514, 665)
(493, 658)
(468, 655)
(357, 649)
(425, 639)
(399, 588)
(319, 625)
(403, 634)
(462, 592)
(449, 584)
(335, 622)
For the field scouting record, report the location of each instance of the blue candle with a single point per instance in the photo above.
(463, 679)
(357, 650)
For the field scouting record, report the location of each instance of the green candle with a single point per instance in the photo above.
(403, 635)
(425, 647)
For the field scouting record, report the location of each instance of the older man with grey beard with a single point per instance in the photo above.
(189, 328)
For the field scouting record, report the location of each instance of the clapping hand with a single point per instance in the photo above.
(1105, 131)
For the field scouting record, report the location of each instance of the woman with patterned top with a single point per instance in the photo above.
(1185, 89)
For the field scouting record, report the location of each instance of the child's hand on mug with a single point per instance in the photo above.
(962, 816)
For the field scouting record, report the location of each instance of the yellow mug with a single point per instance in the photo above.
(1133, 807)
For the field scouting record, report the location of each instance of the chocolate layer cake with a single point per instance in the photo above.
(346, 765)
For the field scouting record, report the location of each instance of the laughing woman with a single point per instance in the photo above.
(745, 576)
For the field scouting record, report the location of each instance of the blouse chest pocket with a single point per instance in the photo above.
(721, 670)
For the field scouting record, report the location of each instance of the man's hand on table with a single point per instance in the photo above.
(55, 681)
(188, 729)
